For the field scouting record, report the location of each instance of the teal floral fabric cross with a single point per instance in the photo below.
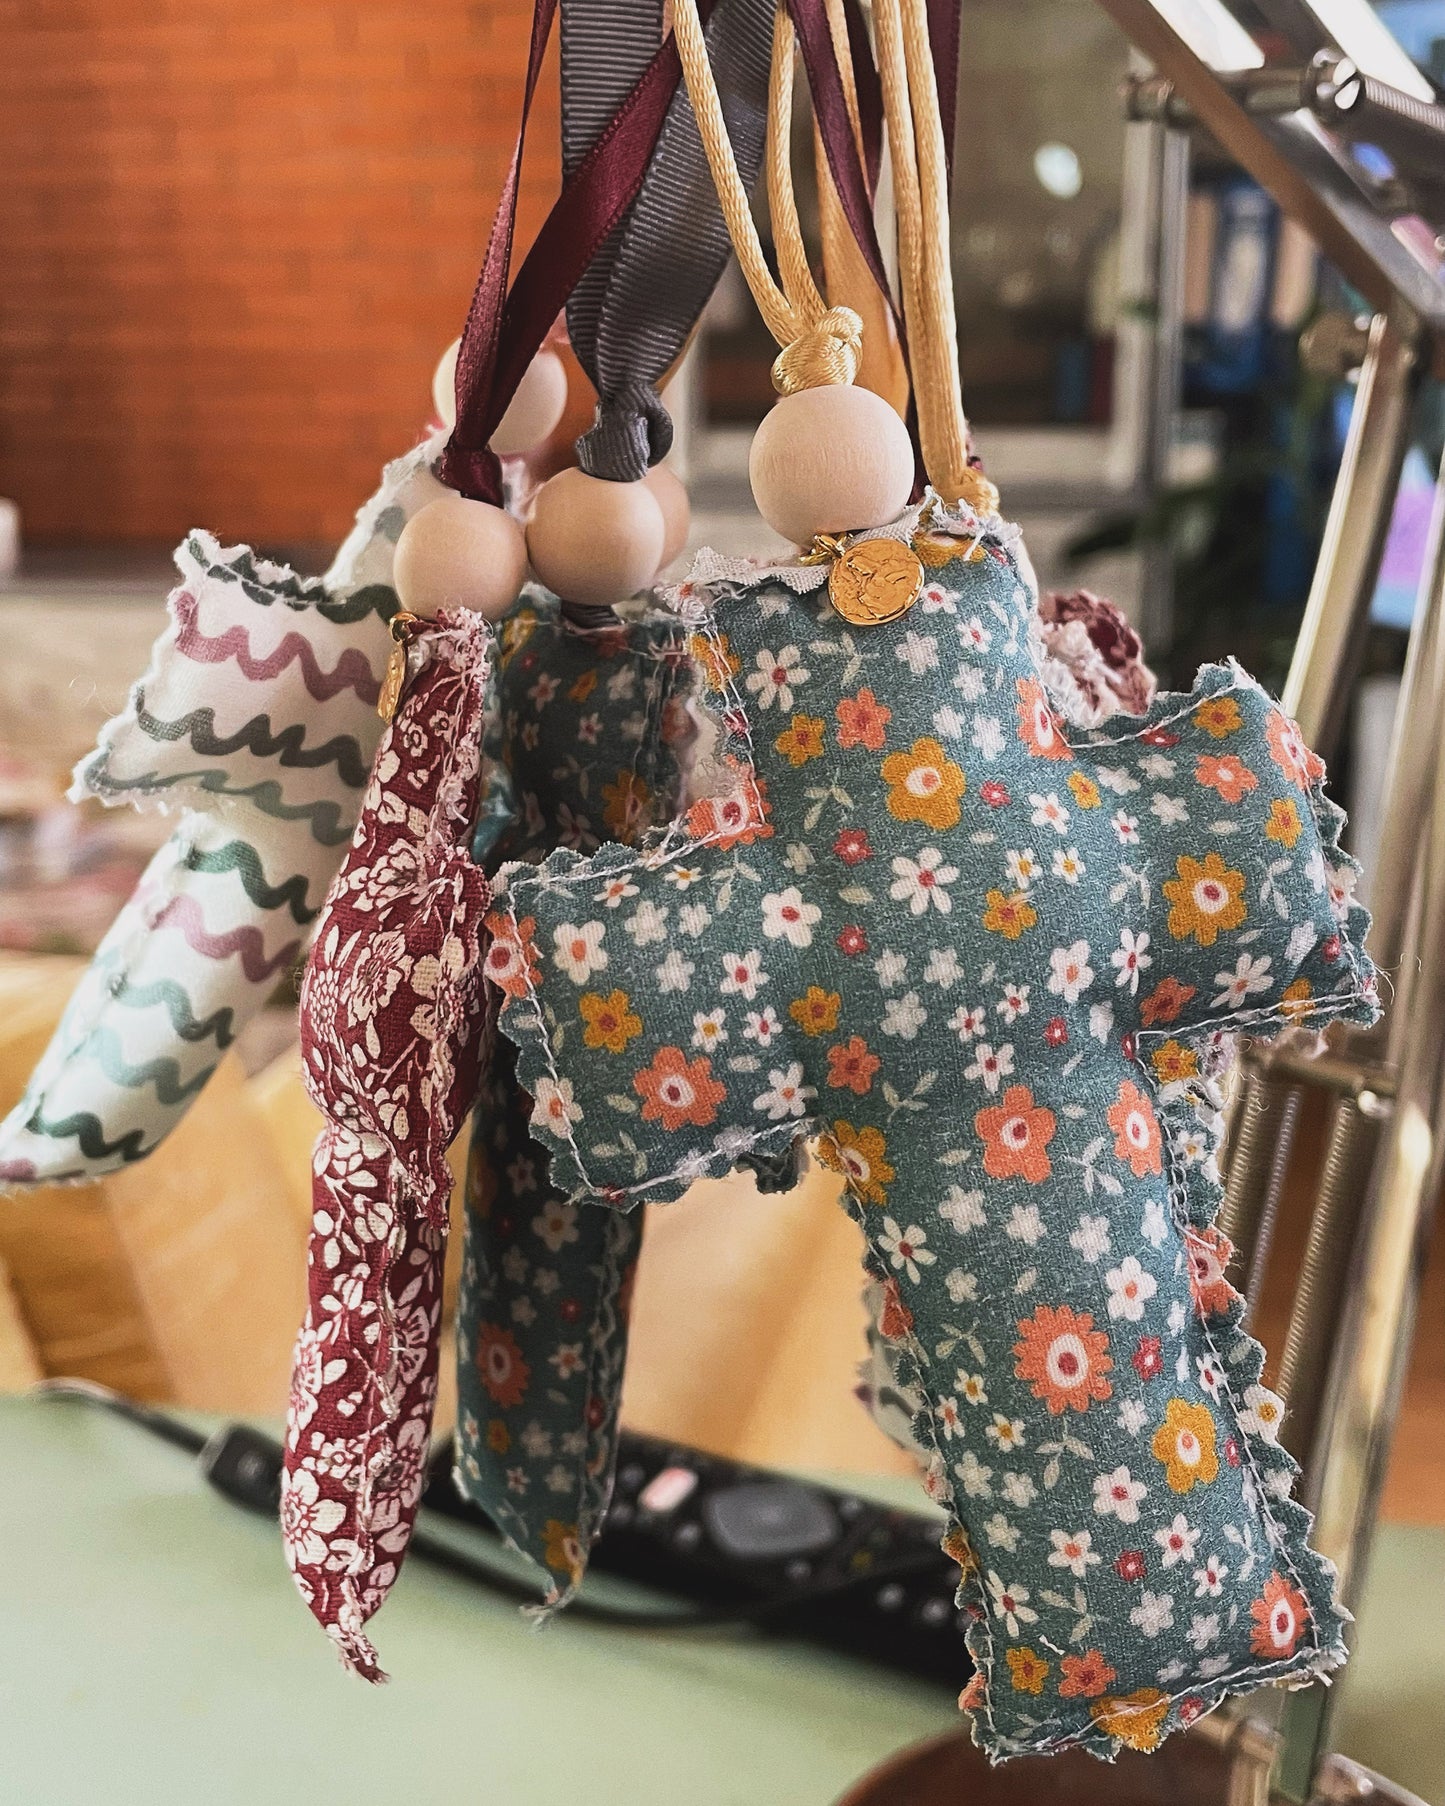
(989, 966)
(586, 733)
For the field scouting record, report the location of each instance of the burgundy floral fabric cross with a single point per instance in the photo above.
(392, 1026)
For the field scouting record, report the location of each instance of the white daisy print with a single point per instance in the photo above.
(990, 1065)
(709, 1028)
(1129, 959)
(1049, 812)
(579, 951)
(788, 917)
(1011, 1603)
(1177, 1540)
(962, 1210)
(1022, 864)
(786, 1095)
(907, 1249)
(1117, 1495)
(742, 975)
(968, 1023)
(1154, 1614)
(1074, 1550)
(615, 892)
(1090, 1241)
(923, 882)
(1249, 977)
(1067, 864)
(1130, 1289)
(772, 682)
(1070, 973)
(904, 1016)
(762, 1026)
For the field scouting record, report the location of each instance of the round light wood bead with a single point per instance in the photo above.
(595, 542)
(459, 554)
(532, 413)
(444, 386)
(670, 494)
(830, 460)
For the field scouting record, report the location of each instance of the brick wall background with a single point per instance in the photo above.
(234, 237)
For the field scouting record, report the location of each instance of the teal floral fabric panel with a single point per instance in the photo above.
(990, 965)
(585, 735)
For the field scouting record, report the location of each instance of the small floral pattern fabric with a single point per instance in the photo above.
(586, 736)
(990, 965)
(392, 1030)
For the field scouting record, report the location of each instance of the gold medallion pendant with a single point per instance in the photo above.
(873, 581)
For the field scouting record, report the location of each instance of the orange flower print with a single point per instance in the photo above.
(1136, 1131)
(861, 1156)
(1008, 915)
(1136, 1719)
(499, 1437)
(851, 1066)
(924, 785)
(500, 1366)
(1165, 1001)
(676, 1091)
(584, 686)
(1064, 1358)
(611, 1021)
(624, 805)
(1209, 1252)
(562, 1548)
(735, 818)
(1086, 1676)
(1280, 1615)
(1227, 775)
(1283, 823)
(1205, 898)
(1184, 1442)
(1016, 1135)
(1289, 752)
(802, 741)
(1038, 727)
(511, 960)
(1084, 790)
(715, 656)
(1173, 1062)
(861, 721)
(1219, 717)
(894, 1317)
(816, 1011)
(1027, 1670)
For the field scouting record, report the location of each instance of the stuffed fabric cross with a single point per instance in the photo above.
(256, 720)
(392, 1025)
(589, 727)
(989, 964)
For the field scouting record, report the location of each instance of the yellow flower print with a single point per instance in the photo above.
(1136, 1719)
(816, 1012)
(957, 1547)
(1218, 716)
(1085, 791)
(1283, 824)
(499, 1437)
(611, 1020)
(1297, 999)
(802, 741)
(716, 657)
(516, 630)
(860, 1155)
(1205, 898)
(1008, 916)
(624, 805)
(924, 785)
(1184, 1442)
(1174, 1061)
(562, 1551)
(1027, 1670)
(584, 686)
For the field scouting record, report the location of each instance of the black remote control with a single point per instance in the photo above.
(724, 1534)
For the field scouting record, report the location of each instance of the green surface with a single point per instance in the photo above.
(154, 1651)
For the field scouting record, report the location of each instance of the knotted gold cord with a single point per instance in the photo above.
(821, 344)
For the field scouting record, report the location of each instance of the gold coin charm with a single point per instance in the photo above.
(401, 627)
(875, 581)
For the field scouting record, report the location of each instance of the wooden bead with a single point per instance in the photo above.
(444, 386)
(595, 542)
(459, 554)
(830, 460)
(532, 413)
(670, 494)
